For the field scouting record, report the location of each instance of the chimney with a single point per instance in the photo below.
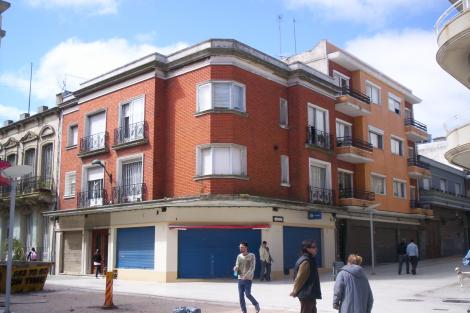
(24, 115)
(7, 122)
(42, 108)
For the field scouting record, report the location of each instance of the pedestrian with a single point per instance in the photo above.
(97, 262)
(466, 259)
(352, 293)
(413, 255)
(32, 255)
(245, 268)
(306, 280)
(266, 260)
(402, 257)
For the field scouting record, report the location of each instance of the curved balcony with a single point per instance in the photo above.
(353, 150)
(453, 38)
(353, 102)
(415, 131)
(417, 168)
(356, 198)
(458, 140)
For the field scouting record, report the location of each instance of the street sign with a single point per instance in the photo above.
(314, 215)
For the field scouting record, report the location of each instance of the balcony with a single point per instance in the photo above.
(421, 208)
(319, 139)
(437, 197)
(355, 198)
(93, 145)
(321, 196)
(32, 191)
(417, 169)
(458, 140)
(130, 193)
(415, 131)
(130, 136)
(453, 38)
(353, 103)
(97, 197)
(353, 150)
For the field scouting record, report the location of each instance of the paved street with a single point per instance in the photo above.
(435, 283)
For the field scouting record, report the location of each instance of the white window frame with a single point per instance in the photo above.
(243, 154)
(212, 107)
(70, 135)
(337, 75)
(128, 159)
(400, 145)
(384, 183)
(399, 181)
(84, 182)
(378, 132)
(283, 109)
(285, 181)
(397, 99)
(341, 170)
(379, 90)
(327, 116)
(68, 194)
(340, 121)
(320, 163)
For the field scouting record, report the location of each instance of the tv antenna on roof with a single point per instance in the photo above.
(279, 19)
(295, 37)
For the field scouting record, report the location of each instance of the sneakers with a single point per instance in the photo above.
(257, 308)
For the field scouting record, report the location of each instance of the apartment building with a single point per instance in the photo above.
(32, 140)
(168, 162)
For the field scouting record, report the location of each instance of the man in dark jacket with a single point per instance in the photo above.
(402, 257)
(306, 280)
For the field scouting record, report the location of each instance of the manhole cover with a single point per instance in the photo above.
(456, 300)
(410, 300)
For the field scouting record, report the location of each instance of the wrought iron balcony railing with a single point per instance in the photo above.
(94, 142)
(321, 195)
(356, 194)
(418, 163)
(29, 185)
(349, 141)
(130, 193)
(319, 138)
(355, 94)
(130, 133)
(92, 198)
(415, 123)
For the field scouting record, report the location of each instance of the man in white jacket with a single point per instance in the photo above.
(266, 260)
(245, 268)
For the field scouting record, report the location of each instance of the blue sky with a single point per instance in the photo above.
(75, 39)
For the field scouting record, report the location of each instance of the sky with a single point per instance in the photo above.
(69, 41)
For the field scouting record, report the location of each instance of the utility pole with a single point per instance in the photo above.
(295, 38)
(279, 19)
(30, 79)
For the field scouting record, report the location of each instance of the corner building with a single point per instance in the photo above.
(172, 160)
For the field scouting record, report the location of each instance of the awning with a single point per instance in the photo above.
(185, 227)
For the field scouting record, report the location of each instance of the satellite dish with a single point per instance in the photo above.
(18, 171)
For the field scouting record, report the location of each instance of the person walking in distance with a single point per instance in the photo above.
(402, 257)
(306, 280)
(413, 254)
(32, 255)
(245, 268)
(97, 262)
(352, 293)
(266, 260)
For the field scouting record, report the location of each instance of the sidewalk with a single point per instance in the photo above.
(436, 281)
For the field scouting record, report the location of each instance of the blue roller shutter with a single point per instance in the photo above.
(211, 253)
(292, 239)
(135, 247)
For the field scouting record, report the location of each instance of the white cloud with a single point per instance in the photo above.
(76, 61)
(372, 12)
(101, 6)
(409, 56)
(9, 113)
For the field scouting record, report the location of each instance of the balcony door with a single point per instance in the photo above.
(95, 185)
(345, 184)
(46, 166)
(318, 119)
(320, 182)
(132, 181)
(342, 80)
(96, 132)
(132, 118)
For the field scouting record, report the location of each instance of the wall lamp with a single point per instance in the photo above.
(100, 163)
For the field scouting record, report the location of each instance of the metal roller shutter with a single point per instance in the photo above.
(292, 239)
(211, 253)
(72, 252)
(136, 247)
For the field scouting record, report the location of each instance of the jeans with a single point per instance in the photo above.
(265, 273)
(403, 258)
(414, 264)
(97, 270)
(308, 306)
(244, 289)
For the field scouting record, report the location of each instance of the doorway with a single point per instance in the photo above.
(100, 241)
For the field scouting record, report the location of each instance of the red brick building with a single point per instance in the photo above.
(169, 161)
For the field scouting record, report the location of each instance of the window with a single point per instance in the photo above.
(318, 118)
(222, 160)
(443, 185)
(284, 170)
(96, 134)
(345, 184)
(378, 184)
(373, 92)
(72, 139)
(320, 182)
(29, 159)
(399, 189)
(131, 181)
(341, 79)
(46, 161)
(284, 116)
(394, 103)
(397, 146)
(376, 140)
(458, 189)
(94, 186)
(426, 185)
(343, 129)
(11, 159)
(132, 121)
(69, 189)
(221, 95)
